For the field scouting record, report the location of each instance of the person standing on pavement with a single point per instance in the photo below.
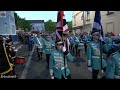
(93, 56)
(59, 69)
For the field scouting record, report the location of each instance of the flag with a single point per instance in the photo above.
(67, 43)
(88, 15)
(97, 25)
(61, 28)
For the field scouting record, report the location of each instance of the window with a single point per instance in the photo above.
(109, 12)
(5, 26)
(88, 16)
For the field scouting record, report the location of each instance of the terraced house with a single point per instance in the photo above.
(82, 21)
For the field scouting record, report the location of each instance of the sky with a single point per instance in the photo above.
(43, 15)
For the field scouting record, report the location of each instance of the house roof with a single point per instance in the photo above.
(36, 21)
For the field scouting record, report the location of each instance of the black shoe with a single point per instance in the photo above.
(41, 58)
(103, 77)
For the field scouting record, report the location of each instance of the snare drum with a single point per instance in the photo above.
(20, 60)
(80, 46)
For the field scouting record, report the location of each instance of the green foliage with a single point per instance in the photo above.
(70, 25)
(22, 23)
(50, 26)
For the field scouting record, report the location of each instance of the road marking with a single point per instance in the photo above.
(27, 65)
(19, 47)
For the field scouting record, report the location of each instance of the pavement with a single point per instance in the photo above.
(33, 68)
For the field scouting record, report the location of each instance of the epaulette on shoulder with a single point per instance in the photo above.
(113, 53)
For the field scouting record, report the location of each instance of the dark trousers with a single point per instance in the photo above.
(85, 46)
(30, 47)
(47, 59)
(71, 48)
(39, 54)
(95, 74)
(76, 49)
(68, 77)
(79, 51)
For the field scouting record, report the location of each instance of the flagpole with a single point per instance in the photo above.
(101, 52)
(64, 43)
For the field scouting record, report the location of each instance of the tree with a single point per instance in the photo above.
(22, 23)
(70, 25)
(17, 19)
(50, 26)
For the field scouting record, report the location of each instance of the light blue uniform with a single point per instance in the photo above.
(80, 44)
(57, 63)
(71, 40)
(86, 38)
(113, 66)
(93, 54)
(108, 43)
(108, 40)
(48, 46)
(80, 39)
(76, 40)
(37, 43)
(53, 38)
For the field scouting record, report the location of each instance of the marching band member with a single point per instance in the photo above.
(48, 45)
(57, 65)
(93, 56)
